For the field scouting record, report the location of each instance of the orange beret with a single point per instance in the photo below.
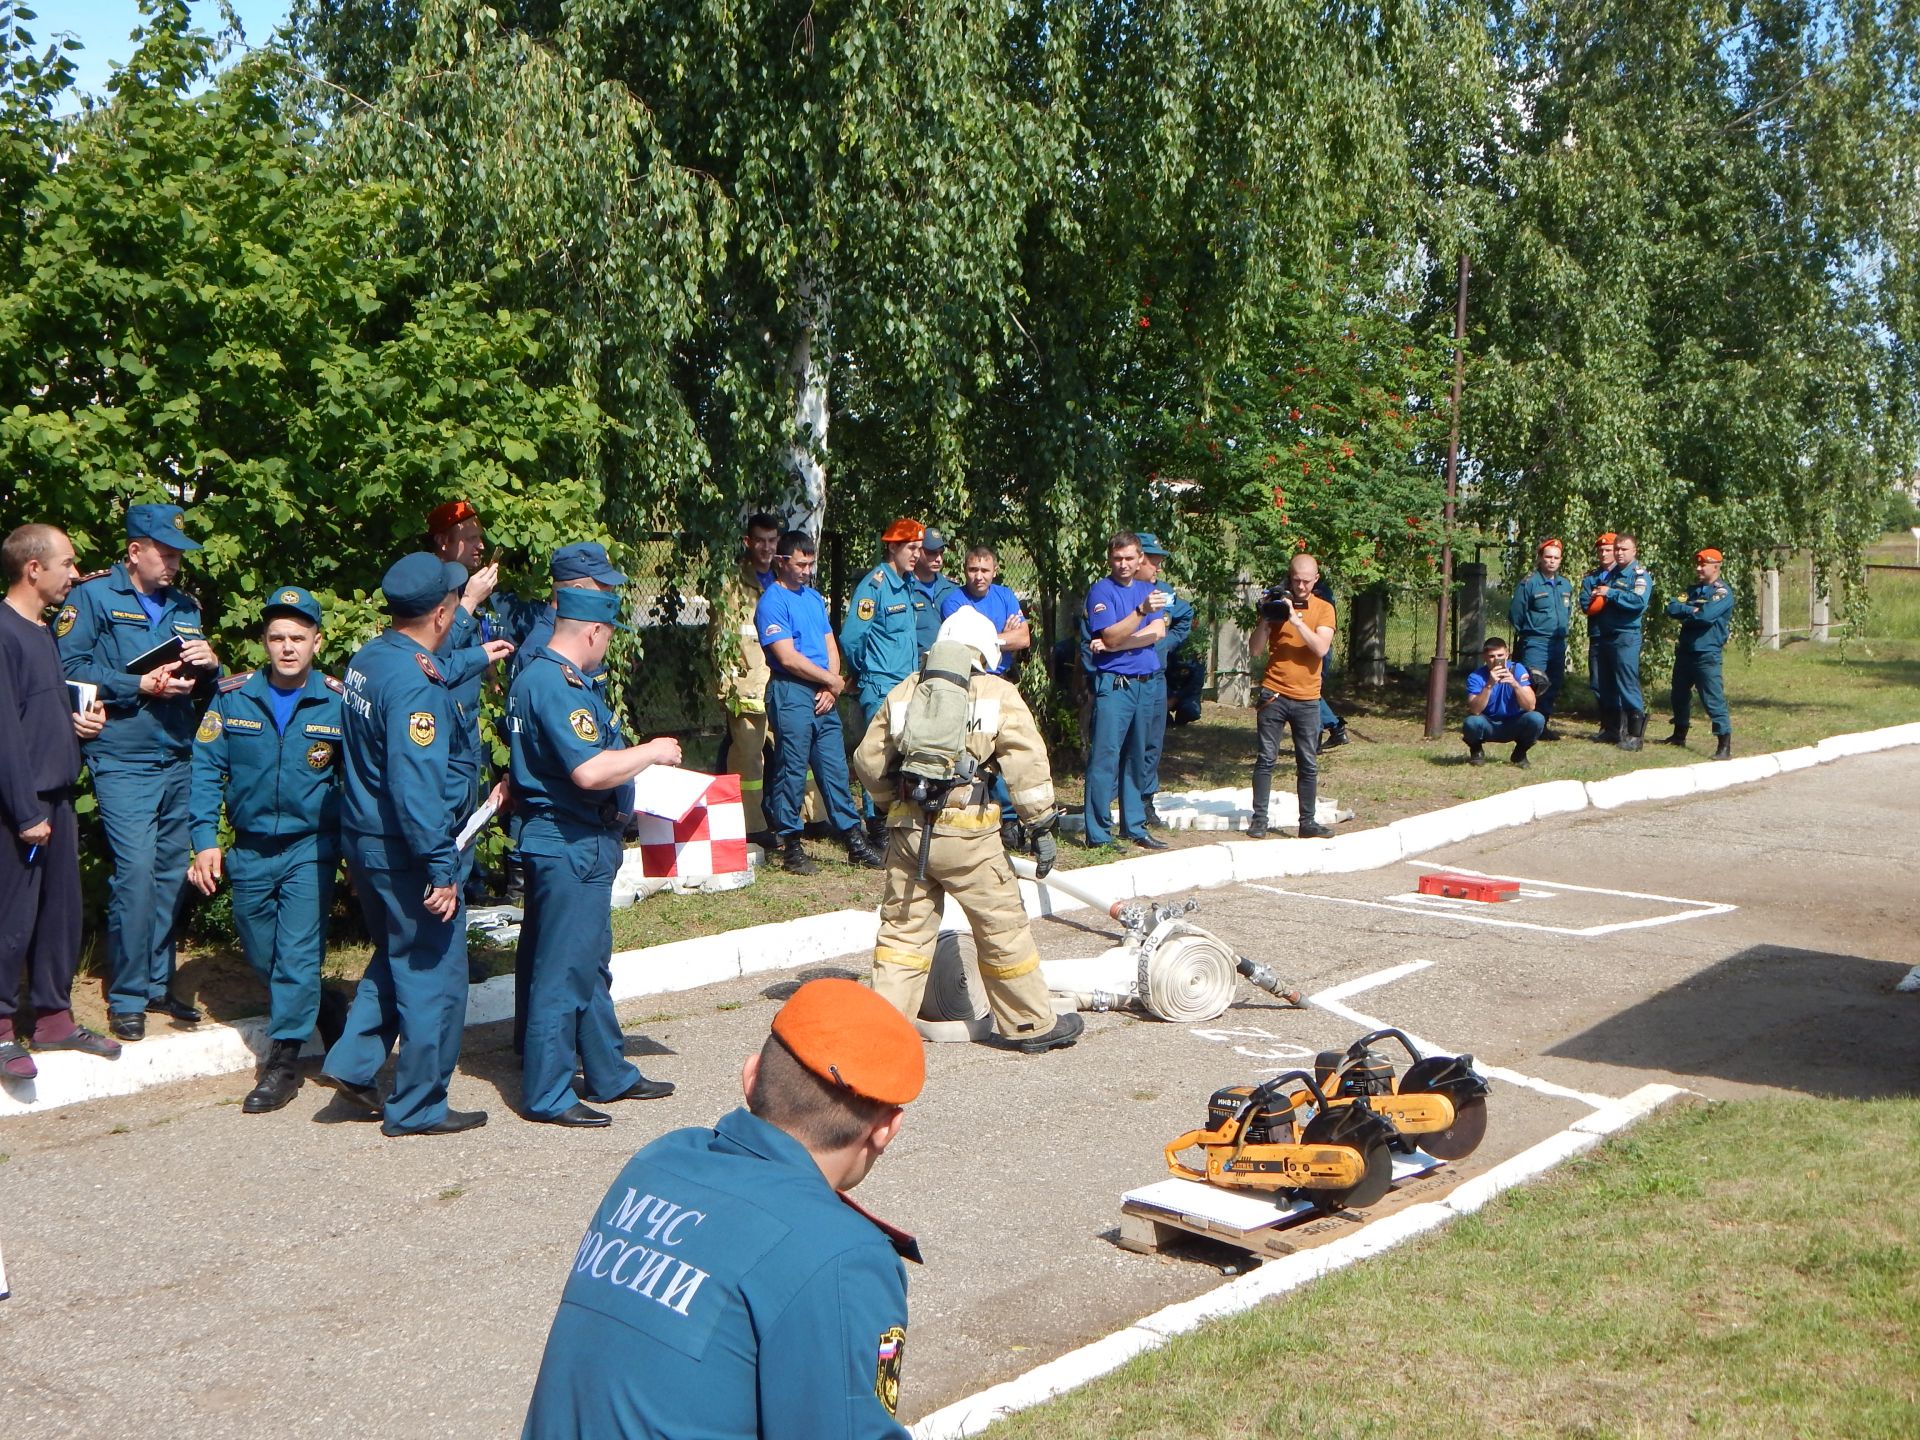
(1708, 554)
(1553, 540)
(1606, 539)
(847, 1035)
(903, 530)
(1596, 604)
(444, 517)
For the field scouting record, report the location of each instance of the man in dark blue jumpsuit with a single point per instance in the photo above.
(1179, 627)
(268, 750)
(573, 791)
(1619, 610)
(142, 762)
(1705, 616)
(39, 762)
(726, 1286)
(1541, 611)
(400, 813)
(1599, 676)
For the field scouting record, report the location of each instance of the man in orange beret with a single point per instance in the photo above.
(1598, 674)
(726, 1285)
(1705, 614)
(880, 635)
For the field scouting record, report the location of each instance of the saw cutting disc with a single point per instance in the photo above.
(1461, 1138)
(1361, 1129)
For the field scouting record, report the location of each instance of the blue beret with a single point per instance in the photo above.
(600, 607)
(291, 600)
(159, 522)
(584, 560)
(414, 584)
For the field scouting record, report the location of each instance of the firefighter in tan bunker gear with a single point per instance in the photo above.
(966, 858)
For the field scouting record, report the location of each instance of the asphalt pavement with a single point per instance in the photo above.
(182, 1269)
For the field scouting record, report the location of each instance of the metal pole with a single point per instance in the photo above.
(1437, 671)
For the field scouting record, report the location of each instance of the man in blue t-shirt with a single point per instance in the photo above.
(1125, 616)
(803, 685)
(1500, 705)
(993, 600)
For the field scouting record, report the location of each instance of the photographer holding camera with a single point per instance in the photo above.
(1296, 631)
(1500, 705)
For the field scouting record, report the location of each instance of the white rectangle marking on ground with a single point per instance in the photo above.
(1415, 903)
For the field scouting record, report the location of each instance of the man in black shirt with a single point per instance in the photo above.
(40, 731)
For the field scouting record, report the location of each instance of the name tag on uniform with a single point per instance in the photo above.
(137, 616)
(240, 722)
(329, 730)
(896, 609)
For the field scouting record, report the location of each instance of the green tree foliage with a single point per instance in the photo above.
(1694, 310)
(198, 313)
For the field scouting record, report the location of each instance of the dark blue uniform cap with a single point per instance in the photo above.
(584, 560)
(933, 540)
(414, 584)
(601, 607)
(291, 600)
(1150, 544)
(159, 522)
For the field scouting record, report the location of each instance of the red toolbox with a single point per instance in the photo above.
(1467, 887)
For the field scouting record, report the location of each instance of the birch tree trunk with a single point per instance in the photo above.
(806, 504)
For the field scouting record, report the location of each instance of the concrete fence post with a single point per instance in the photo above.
(1770, 608)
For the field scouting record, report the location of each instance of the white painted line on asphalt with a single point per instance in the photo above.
(1545, 1087)
(1589, 932)
(1348, 988)
(1563, 885)
(1278, 1276)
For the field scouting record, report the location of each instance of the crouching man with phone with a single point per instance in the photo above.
(1500, 706)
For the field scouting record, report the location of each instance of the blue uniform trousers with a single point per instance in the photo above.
(1543, 656)
(1700, 670)
(869, 694)
(568, 934)
(1524, 728)
(40, 915)
(282, 894)
(414, 991)
(1154, 714)
(143, 808)
(1620, 655)
(807, 741)
(1117, 755)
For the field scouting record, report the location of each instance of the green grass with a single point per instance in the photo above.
(1741, 1270)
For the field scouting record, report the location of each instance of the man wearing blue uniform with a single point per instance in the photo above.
(1179, 616)
(1599, 674)
(400, 812)
(40, 731)
(1501, 705)
(1705, 617)
(1125, 617)
(268, 748)
(573, 790)
(1619, 610)
(1002, 607)
(141, 762)
(880, 635)
(930, 579)
(803, 684)
(1541, 611)
(726, 1286)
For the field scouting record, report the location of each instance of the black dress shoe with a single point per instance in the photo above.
(1309, 830)
(127, 1025)
(641, 1089)
(362, 1097)
(1150, 842)
(576, 1116)
(279, 1080)
(451, 1124)
(175, 1010)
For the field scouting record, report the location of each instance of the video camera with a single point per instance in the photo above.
(1274, 604)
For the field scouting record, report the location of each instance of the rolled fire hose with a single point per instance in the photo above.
(954, 1007)
(1179, 973)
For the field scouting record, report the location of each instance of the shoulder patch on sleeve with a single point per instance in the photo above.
(68, 614)
(1640, 585)
(886, 1376)
(333, 685)
(420, 727)
(428, 668)
(584, 725)
(230, 683)
(865, 608)
(209, 730)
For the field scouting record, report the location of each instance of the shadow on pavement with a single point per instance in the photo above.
(1803, 1020)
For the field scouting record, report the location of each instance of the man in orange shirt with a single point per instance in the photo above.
(1296, 631)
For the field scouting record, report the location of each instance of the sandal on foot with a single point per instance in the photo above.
(15, 1062)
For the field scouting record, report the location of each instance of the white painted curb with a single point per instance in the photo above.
(69, 1079)
(1279, 1276)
